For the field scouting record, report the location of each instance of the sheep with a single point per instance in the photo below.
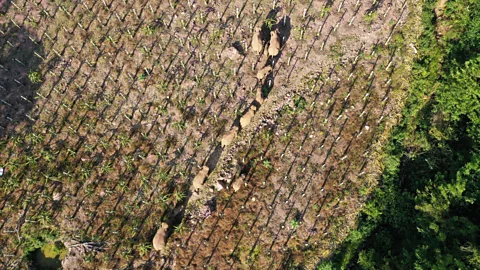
(200, 178)
(160, 239)
(257, 43)
(274, 47)
(262, 73)
(229, 136)
(247, 117)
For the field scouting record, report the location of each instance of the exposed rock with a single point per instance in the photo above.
(220, 184)
(208, 208)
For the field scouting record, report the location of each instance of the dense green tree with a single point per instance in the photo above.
(425, 214)
(460, 95)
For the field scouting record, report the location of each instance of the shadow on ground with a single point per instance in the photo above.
(18, 62)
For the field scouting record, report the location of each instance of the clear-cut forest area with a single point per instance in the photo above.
(240, 134)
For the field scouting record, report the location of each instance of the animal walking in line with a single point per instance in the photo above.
(160, 239)
(238, 183)
(229, 136)
(200, 178)
(259, 96)
(257, 43)
(274, 48)
(262, 73)
(247, 117)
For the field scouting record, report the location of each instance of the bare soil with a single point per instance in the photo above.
(135, 97)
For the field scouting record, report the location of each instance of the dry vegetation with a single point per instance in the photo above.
(113, 107)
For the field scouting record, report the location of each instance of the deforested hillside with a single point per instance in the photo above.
(194, 134)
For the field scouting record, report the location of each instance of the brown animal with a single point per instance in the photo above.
(247, 117)
(257, 43)
(200, 178)
(258, 96)
(262, 73)
(229, 136)
(238, 183)
(160, 239)
(274, 48)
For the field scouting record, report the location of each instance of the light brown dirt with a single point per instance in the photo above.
(136, 95)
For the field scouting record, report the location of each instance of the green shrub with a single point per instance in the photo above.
(35, 77)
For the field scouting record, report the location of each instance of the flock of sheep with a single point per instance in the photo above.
(257, 45)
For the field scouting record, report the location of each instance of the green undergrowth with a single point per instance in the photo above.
(425, 213)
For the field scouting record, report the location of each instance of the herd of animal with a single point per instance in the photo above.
(274, 45)
(270, 48)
